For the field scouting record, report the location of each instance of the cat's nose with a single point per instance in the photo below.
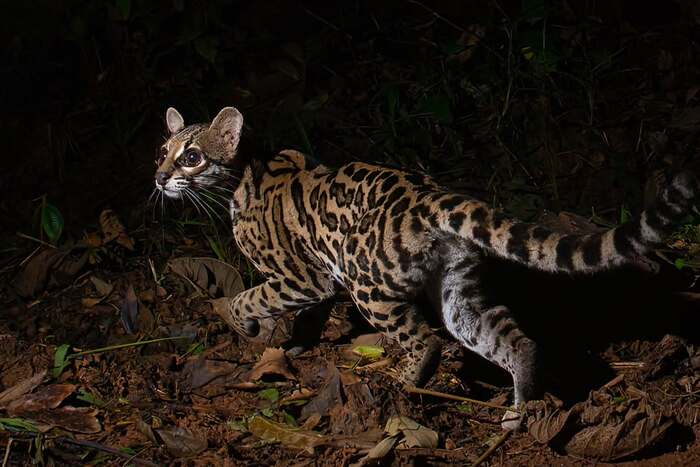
(162, 178)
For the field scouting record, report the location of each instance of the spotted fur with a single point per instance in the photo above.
(389, 236)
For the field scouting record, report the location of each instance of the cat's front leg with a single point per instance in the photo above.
(267, 300)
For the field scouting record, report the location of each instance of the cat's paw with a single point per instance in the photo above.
(512, 421)
(250, 327)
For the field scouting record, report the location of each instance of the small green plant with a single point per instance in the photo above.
(51, 221)
(625, 215)
(370, 352)
(17, 424)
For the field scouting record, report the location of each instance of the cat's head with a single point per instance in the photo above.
(196, 157)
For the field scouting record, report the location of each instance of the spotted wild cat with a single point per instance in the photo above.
(387, 236)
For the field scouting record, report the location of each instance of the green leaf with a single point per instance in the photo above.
(196, 348)
(625, 215)
(216, 247)
(371, 352)
(465, 408)
(124, 9)
(51, 221)
(17, 424)
(271, 394)
(288, 419)
(679, 263)
(238, 425)
(60, 360)
(91, 399)
(268, 412)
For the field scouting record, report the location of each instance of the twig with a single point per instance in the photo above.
(376, 365)
(455, 455)
(6, 459)
(34, 239)
(124, 346)
(428, 392)
(107, 449)
(504, 437)
(326, 22)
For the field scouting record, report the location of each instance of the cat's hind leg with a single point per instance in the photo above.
(491, 332)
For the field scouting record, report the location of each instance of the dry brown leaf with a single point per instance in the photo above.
(199, 371)
(284, 434)
(89, 302)
(299, 394)
(181, 442)
(610, 442)
(49, 267)
(75, 419)
(21, 388)
(382, 448)
(113, 230)
(129, 311)
(103, 288)
(602, 432)
(216, 278)
(549, 422)
(312, 422)
(402, 432)
(272, 362)
(328, 397)
(48, 397)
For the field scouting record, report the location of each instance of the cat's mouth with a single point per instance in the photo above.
(174, 188)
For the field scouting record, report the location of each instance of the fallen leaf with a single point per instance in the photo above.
(75, 419)
(373, 339)
(370, 352)
(48, 397)
(50, 267)
(329, 396)
(20, 389)
(382, 448)
(396, 425)
(600, 428)
(216, 278)
(298, 396)
(610, 442)
(421, 437)
(284, 434)
(103, 288)
(129, 311)
(312, 422)
(199, 371)
(272, 362)
(181, 442)
(402, 432)
(113, 230)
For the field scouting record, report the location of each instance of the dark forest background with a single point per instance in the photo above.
(529, 104)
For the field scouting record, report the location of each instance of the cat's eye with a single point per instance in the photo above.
(191, 158)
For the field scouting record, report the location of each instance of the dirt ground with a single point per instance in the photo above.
(111, 351)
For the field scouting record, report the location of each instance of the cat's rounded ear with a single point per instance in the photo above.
(226, 130)
(174, 120)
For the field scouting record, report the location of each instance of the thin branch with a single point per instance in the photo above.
(428, 392)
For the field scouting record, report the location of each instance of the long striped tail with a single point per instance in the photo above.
(548, 250)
